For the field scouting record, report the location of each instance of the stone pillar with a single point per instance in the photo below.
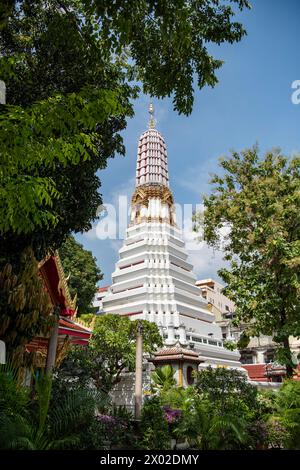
(180, 374)
(52, 347)
(2, 92)
(138, 372)
(2, 352)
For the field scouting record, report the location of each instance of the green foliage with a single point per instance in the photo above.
(154, 427)
(167, 42)
(227, 389)
(258, 201)
(67, 101)
(55, 417)
(288, 407)
(25, 306)
(81, 266)
(88, 318)
(219, 411)
(177, 397)
(207, 429)
(14, 398)
(34, 424)
(57, 132)
(162, 379)
(116, 429)
(111, 350)
(69, 70)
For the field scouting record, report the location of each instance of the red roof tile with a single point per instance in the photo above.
(103, 289)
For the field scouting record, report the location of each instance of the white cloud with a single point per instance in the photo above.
(206, 261)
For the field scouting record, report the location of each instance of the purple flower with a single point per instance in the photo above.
(106, 419)
(171, 415)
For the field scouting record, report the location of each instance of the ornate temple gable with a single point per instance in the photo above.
(142, 194)
(152, 203)
(57, 284)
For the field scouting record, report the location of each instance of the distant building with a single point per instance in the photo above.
(97, 302)
(258, 357)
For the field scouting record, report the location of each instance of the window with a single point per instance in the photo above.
(189, 375)
(246, 358)
(196, 340)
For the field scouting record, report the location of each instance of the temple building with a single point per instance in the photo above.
(153, 279)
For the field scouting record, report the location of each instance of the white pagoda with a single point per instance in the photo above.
(153, 279)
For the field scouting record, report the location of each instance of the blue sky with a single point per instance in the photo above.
(251, 104)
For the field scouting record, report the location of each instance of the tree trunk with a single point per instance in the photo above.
(289, 367)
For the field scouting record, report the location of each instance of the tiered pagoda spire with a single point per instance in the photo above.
(153, 279)
(152, 160)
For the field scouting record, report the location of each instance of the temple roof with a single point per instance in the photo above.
(152, 160)
(174, 354)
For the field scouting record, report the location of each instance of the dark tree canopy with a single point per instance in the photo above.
(83, 58)
(258, 200)
(71, 69)
(81, 268)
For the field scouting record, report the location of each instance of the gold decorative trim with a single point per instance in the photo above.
(63, 283)
(143, 193)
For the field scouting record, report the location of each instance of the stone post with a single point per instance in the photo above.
(52, 346)
(138, 372)
(2, 92)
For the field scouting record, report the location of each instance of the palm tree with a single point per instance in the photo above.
(33, 425)
(162, 379)
(205, 429)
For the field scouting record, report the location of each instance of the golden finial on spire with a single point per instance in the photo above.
(151, 124)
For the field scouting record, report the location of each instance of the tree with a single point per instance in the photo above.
(162, 379)
(111, 350)
(36, 423)
(223, 407)
(154, 426)
(228, 389)
(84, 273)
(69, 68)
(63, 87)
(206, 429)
(257, 201)
(25, 306)
(288, 411)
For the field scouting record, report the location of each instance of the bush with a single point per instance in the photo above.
(288, 405)
(154, 427)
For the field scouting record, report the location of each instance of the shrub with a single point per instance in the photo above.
(154, 427)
